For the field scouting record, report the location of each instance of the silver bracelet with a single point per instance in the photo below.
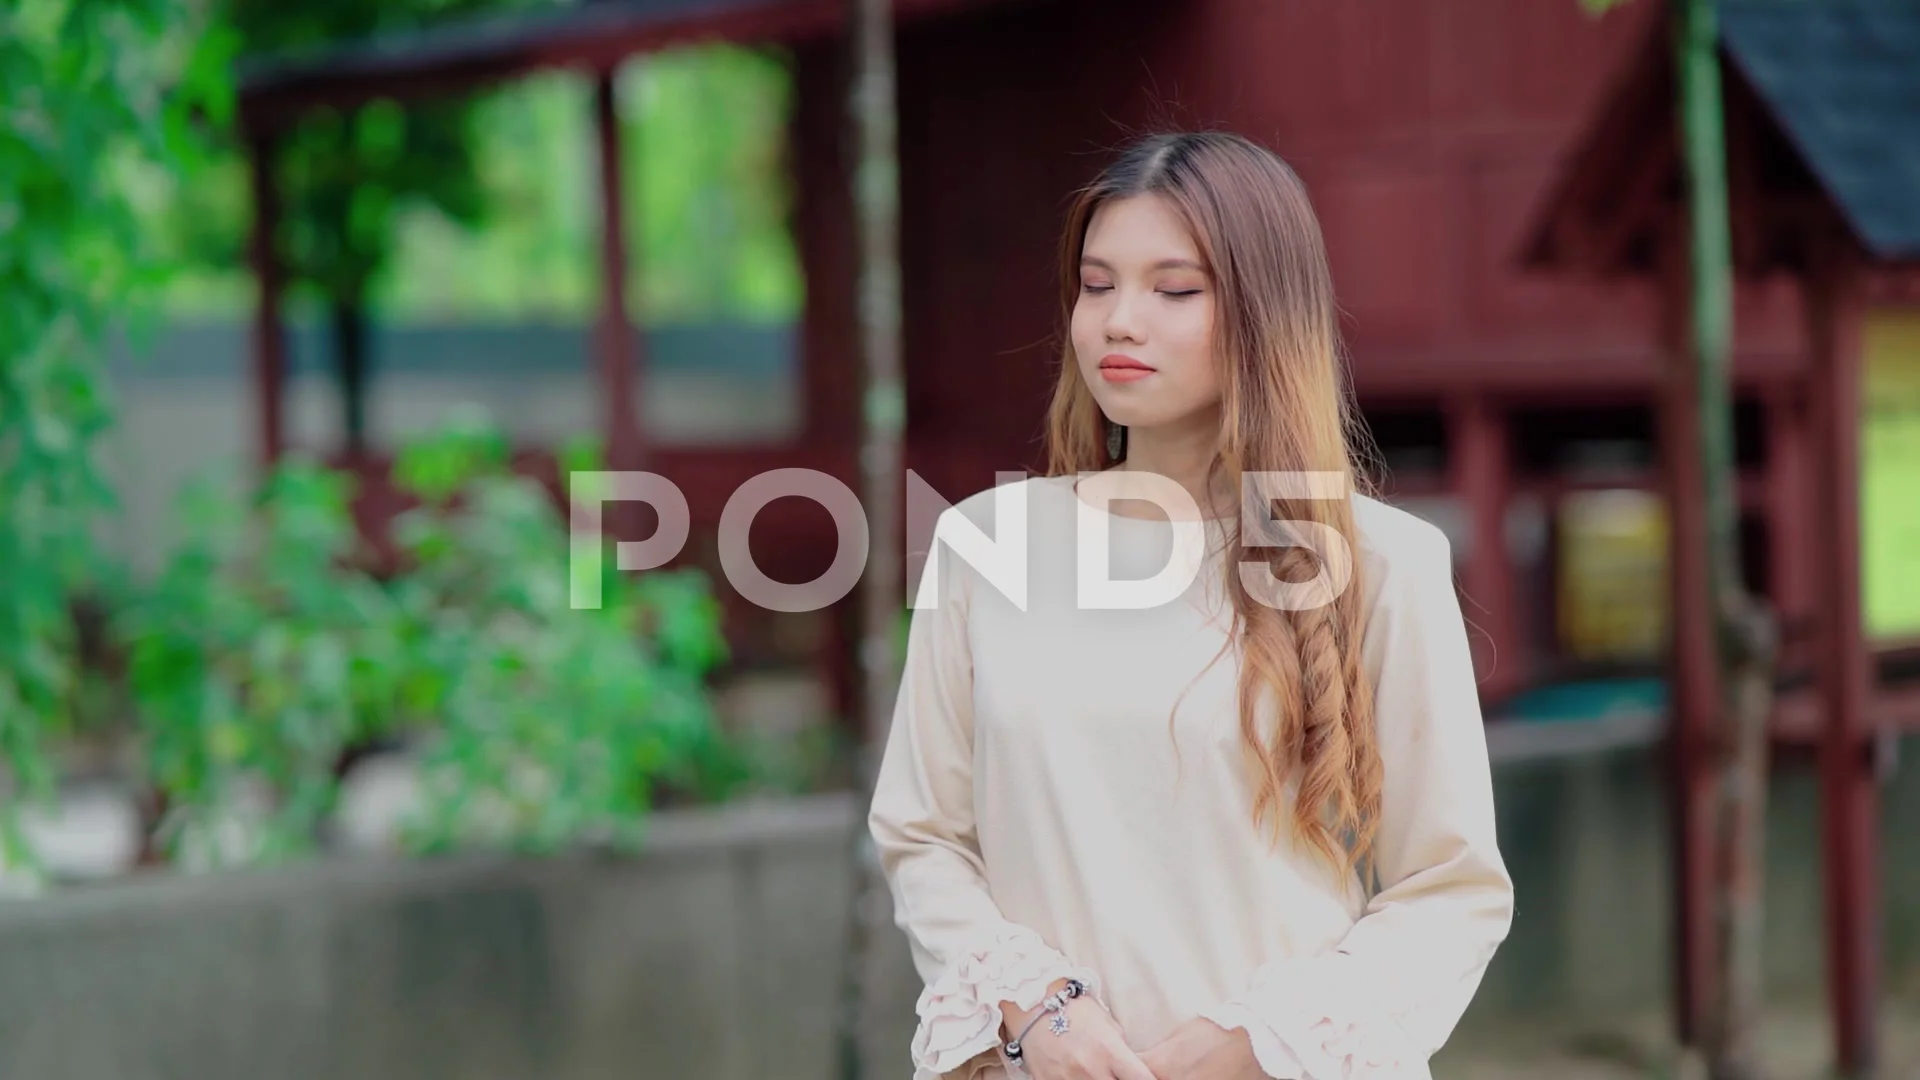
(1054, 1005)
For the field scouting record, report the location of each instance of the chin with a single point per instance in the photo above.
(1133, 417)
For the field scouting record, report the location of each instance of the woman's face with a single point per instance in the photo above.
(1143, 324)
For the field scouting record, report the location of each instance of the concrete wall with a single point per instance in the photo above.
(1586, 842)
(715, 953)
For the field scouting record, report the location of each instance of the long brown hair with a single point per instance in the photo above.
(1285, 407)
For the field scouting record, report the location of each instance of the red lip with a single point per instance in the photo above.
(1121, 368)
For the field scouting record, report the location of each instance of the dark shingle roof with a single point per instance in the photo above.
(481, 49)
(474, 38)
(1842, 77)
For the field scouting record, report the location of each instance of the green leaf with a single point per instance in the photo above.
(97, 95)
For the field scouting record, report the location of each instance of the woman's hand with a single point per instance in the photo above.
(1202, 1050)
(1092, 1048)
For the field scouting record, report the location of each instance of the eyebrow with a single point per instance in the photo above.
(1163, 264)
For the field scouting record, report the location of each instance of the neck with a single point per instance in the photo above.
(1182, 452)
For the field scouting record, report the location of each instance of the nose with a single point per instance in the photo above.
(1123, 322)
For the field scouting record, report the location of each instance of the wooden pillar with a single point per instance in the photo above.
(269, 337)
(823, 225)
(823, 216)
(1694, 691)
(1481, 477)
(1790, 512)
(617, 356)
(1849, 808)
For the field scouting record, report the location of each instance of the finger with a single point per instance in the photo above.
(1129, 1066)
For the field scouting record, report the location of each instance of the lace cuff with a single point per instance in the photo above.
(960, 1010)
(1309, 1019)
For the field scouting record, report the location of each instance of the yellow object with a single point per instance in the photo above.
(1890, 475)
(1612, 575)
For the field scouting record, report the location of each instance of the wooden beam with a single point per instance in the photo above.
(1754, 492)
(1800, 719)
(823, 204)
(614, 343)
(1789, 509)
(1897, 285)
(830, 398)
(1696, 694)
(1480, 470)
(269, 337)
(1848, 796)
(1512, 369)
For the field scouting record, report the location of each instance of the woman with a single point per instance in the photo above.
(1244, 831)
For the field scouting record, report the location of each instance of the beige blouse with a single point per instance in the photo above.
(1063, 793)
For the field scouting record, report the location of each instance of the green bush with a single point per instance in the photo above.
(265, 650)
(259, 653)
(102, 99)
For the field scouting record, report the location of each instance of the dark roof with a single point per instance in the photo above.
(468, 53)
(1842, 78)
(466, 39)
(1822, 102)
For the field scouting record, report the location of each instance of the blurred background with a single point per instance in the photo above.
(309, 768)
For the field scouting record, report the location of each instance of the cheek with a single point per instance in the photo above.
(1084, 334)
(1190, 335)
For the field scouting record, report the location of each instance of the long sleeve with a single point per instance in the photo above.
(969, 955)
(1389, 995)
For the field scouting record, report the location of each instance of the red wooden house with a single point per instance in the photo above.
(1498, 189)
